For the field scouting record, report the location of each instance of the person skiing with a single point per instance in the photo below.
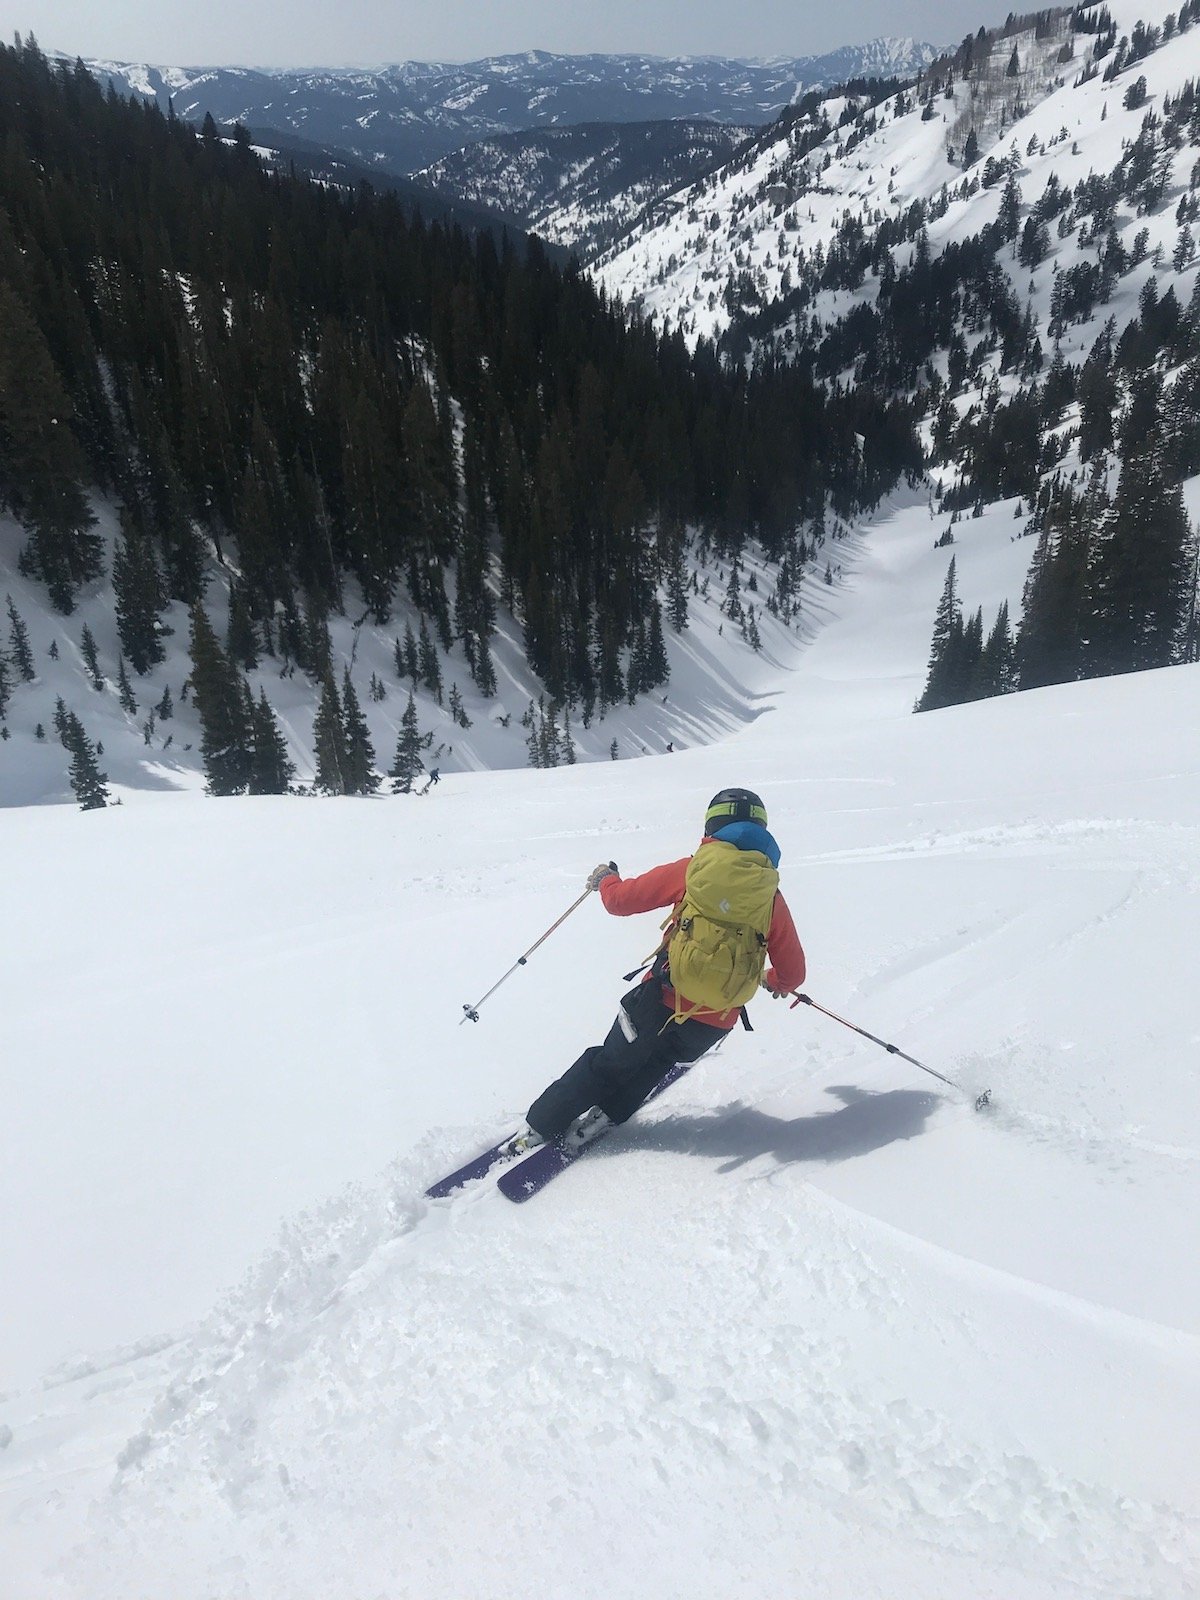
(727, 918)
(434, 777)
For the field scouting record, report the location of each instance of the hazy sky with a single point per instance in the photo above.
(342, 32)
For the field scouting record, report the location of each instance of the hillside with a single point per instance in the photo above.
(1011, 244)
(583, 186)
(406, 116)
(845, 161)
(811, 1324)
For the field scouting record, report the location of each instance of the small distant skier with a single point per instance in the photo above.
(433, 778)
(727, 918)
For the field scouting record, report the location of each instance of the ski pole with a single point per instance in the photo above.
(892, 1049)
(472, 1012)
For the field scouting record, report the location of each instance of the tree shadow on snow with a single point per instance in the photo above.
(864, 1122)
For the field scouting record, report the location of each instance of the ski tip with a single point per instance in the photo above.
(983, 1099)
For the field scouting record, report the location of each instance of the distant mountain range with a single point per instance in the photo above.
(405, 117)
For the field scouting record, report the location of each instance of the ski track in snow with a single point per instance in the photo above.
(364, 1336)
(811, 1325)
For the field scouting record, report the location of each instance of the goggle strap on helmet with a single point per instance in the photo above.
(734, 805)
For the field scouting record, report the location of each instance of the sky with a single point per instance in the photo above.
(290, 33)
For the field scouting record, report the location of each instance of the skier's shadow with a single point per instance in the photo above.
(863, 1123)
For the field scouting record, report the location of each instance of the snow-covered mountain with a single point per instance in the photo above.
(736, 247)
(406, 116)
(810, 1326)
(582, 186)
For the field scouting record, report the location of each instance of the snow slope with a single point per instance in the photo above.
(717, 683)
(811, 1326)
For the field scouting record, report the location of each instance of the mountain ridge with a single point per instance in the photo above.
(421, 111)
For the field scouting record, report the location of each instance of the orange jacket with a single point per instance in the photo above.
(664, 886)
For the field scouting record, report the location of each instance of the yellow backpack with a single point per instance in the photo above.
(718, 947)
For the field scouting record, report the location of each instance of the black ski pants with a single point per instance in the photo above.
(642, 1046)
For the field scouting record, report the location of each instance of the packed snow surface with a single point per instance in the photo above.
(812, 1325)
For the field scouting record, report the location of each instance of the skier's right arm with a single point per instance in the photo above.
(661, 886)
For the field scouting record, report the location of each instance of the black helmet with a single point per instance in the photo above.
(733, 805)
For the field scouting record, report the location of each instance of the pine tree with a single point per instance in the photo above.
(997, 664)
(940, 682)
(658, 668)
(125, 689)
(407, 761)
(87, 645)
(165, 709)
(88, 783)
(139, 598)
(226, 739)
(431, 672)
(241, 641)
(329, 738)
(5, 686)
(456, 708)
(19, 643)
(271, 770)
(1138, 591)
(361, 777)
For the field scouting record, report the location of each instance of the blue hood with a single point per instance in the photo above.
(749, 836)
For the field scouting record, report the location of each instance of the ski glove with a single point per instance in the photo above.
(606, 869)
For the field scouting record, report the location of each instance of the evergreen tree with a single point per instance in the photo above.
(431, 672)
(941, 683)
(407, 763)
(329, 738)
(271, 770)
(165, 709)
(88, 783)
(226, 738)
(658, 669)
(139, 598)
(87, 645)
(18, 636)
(997, 663)
(407, 661)
(241, 640)
(1138, 592)
(360, 774)
(125, 689)
(456, 708)
(5, 686)
(677, 601)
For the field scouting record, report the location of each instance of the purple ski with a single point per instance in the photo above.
(530, 1176)
(479, 1168)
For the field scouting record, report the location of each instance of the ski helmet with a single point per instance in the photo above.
(734, 805)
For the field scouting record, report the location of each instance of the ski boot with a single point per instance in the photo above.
(585, 1128)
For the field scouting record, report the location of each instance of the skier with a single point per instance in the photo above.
(434, 777)
(718, 964)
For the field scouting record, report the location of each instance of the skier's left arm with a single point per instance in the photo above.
(788, 966)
